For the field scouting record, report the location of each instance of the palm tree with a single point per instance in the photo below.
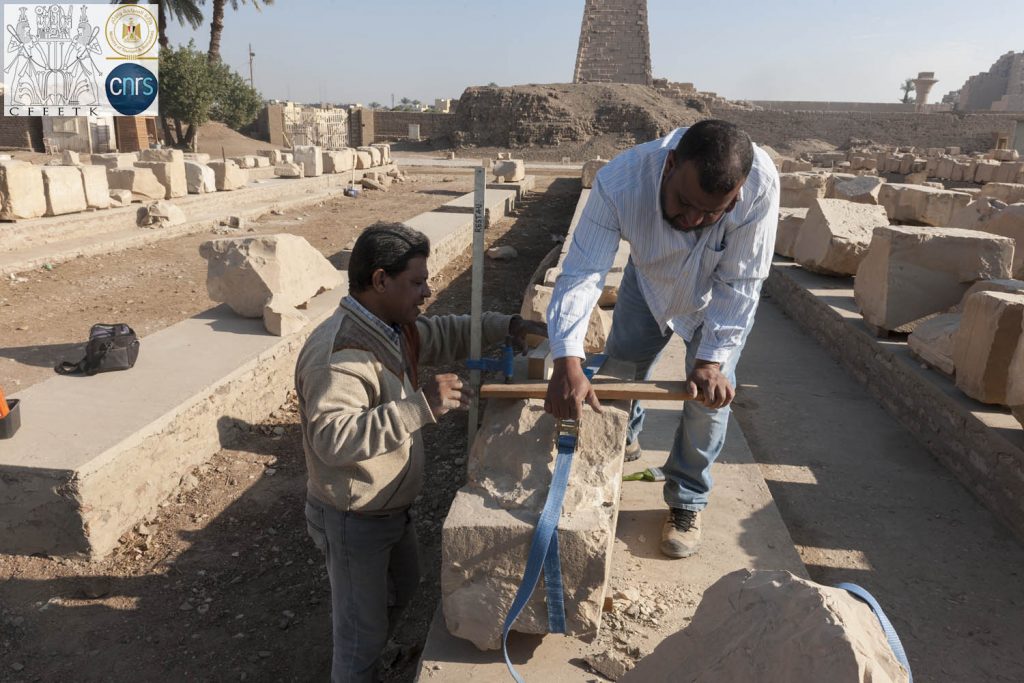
(907, 87)
(217, 23)
(375, 105)
(182, 11)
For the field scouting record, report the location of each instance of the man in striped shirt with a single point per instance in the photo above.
(699, 209)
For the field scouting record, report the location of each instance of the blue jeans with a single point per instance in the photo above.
(373, 565)
(636, 337)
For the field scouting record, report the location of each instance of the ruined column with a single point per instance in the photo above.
(615, 45)
(922, 86)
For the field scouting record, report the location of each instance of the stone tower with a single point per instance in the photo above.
(615, 46)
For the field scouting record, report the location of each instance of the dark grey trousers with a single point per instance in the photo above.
(373, 566)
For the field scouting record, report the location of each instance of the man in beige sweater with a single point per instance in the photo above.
(361, 405)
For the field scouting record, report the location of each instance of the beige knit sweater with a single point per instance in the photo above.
(361, 409)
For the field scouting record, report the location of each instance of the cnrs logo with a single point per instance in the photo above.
(131, 88)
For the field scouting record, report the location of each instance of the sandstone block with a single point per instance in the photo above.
(22, 194)
(262, 162)
(245, 161)
(487, 534)
(281, 321)
(70, 158)
(921, 204)
(286, 170)
(227, 175)
(590, 170)
(835, 235)
(763, 625)
(170, 174)
(339, 160)
(1005, 154)
(911, 272)
(794, 166)
(790, 222)
(376, 158)
(992, 216)
(1011, 193)
(800, 190)
(248, 273)
(159, 214)
(273, 154)
(985, 344)
(310, 157)
(363, 159)
(120, 198)
(535, 307)
(1015, 382)
(94, 183)
(141, 181)
(198, 157)
(861, 190)
(985, 170)
(169, 156)
(385, 152)
(64, 190)
(116, 159)
(199, 178)
(932, 341)
(509, 170)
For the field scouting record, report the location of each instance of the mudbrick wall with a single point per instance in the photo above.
(985, 460)
(615, 46)
(21, 132)
(394, 125)
(971, 132)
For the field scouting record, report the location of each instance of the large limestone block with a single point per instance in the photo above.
(170, 174)
(339, 160)
(1011, 193)
(795, 165)
(921, 204)
(170, 156)
(199, 178)
(590, 170)
(94, 184)
(282, 321)
(509, 170)
(1015, 382)
(912, 272)
(772, 627)
(310, 157)
(835, 236)
(487, 534)
(932, 341)
(984, 346)
(288, 170)
(21, 191)
(376, 158)
(141, 181)
(273, 154)
(227, 175)
(201, 157)
(984, 170)
(790, 222)
(363, 159)
(116, 159)
(991, 216)
(249, 273)
(862, 190)
(385, 152)
(800, 190)
(535, 307)
(1005, 286)
(64, 190)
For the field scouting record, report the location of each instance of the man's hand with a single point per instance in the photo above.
(518, 328)
(710, 384)
(445, 393)
(569, 389)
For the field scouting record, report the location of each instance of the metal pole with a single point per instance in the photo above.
(252, 83)
(476, 300)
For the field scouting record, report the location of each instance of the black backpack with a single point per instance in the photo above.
(110, 347)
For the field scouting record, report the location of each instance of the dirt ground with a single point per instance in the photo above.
(223, 583)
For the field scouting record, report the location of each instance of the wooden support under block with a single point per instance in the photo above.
(606, 389)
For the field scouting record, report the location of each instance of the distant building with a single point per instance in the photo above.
(1001, 88)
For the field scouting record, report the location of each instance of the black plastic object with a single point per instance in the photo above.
(9, 424)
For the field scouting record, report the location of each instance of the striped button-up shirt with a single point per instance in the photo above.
(392, 332)
(710, 277)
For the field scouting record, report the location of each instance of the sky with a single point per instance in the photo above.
(345, 51)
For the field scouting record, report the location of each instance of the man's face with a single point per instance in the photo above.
(401, 296)
(684, 204)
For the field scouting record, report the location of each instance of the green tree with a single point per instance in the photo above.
(907, 87)
(182, 11)
(375, 105)
(235, 102)
(217, 22)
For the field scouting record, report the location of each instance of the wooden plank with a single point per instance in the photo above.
(539, 363)
(607, 389)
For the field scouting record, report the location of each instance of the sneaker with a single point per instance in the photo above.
(680, 537)
(632, 451)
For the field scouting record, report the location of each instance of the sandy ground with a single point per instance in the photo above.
(223, 583)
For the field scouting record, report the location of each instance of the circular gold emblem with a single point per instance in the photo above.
(131, 31)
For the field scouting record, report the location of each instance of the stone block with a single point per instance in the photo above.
(911, 272)
(932, 341)
(376, 158)
(249, 273)
(1015, 382)
(168, 156)
(170, 174)
(94, 183)
(1005, 286)
(281, 321)
(1011, 193)
(790, 222)
(199, 178)
(363, 159)
(65, 192)
(245, 161)
(286, 170)
(120, 198)
(985, 344)
(992, 216)
(590, 170)
(861, 190)
(116, 159)
(487, 534)
(261, 162)
(794, 166)
(70, 158)
(509, 170)
(227, 175)
(273, 154)
(535, 307)
(199, 157)
(141, 181)
(22, 194)
(835, 236)
(385, 152)
(159, 214)
(921, 204)
(310, 158)
(1005, 154)
(984, 171)
(339, 160)
(800, 190)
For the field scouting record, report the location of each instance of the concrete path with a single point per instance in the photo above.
(472, 162)
(866, 502)
(742, 529)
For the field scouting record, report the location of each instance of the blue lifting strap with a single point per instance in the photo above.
(887, 627)
(544, 546)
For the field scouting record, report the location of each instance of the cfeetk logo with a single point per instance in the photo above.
(131, 88)
(94, 60)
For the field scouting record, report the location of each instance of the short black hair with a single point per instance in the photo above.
(387, 246)
(722, 152)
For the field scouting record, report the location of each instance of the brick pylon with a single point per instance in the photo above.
(615, 45)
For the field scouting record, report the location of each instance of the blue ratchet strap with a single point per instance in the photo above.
(887, 627)
(544, 546)
(505, 365)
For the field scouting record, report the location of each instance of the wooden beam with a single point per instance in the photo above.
(607, 389)
(539, 364)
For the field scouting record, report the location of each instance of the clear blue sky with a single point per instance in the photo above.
(348, 51)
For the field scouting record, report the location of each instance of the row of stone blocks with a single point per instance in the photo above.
(311, 160)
